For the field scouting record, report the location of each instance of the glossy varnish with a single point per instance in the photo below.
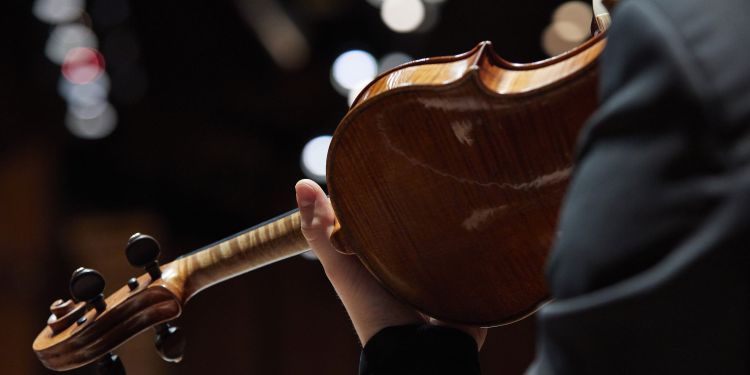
(447, 177)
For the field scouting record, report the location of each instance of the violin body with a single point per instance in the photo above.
(446, 177)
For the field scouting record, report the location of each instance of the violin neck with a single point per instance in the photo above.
(263, 244)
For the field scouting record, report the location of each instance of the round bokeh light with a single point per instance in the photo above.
(82, 65)
(314, 158)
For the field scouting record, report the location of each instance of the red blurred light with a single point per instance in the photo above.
(82, 65)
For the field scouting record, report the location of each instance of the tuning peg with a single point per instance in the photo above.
(170, 342)
(110, 364)
(87, 285)
(143, 251)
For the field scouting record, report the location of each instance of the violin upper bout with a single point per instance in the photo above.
(447, 176)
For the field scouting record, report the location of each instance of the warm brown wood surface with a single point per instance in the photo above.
(447, 177)
(153, 302)
(271, 242)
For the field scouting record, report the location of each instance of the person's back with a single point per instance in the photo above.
(650, 270)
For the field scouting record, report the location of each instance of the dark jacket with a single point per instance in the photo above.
(651, 270)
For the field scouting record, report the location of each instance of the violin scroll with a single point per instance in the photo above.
(89, 327)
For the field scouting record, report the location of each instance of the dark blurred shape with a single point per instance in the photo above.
(109, 13)
(121, 48)
(170, 342)
(278, 33)
(129, 84)
(110, 364)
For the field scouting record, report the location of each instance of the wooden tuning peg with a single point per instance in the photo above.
(87, 285)
(109, 364)
(170, 342)
(143, 251)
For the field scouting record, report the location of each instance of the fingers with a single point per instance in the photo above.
(370, 307)
(317, 225)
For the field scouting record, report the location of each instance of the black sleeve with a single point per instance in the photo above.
(418, 350)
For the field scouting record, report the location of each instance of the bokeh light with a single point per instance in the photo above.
(402, 16)
(87, 94)
(66, 37)
(352, 68)
(57, 11)
(309, 255)
(92, 122)
(82, 65)
(393, 60)
(570, 26)
(578, 13)
(313, 159)
(354, 92)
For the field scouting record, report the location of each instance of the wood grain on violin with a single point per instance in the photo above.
(446, 177)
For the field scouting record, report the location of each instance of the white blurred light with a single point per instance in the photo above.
(57, 11)
(553, 44)
(402, 16)
(88, 111)
(576, 12)
(571, 24)
(570, 32)
(314, 157)
(66, 37)
(354, 92)
(572, 21)
(93, 123)
(309, 255)
(85, 95)
(351, 68)
(393, 60)
(376, 3)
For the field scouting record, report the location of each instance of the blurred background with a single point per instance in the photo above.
(191, 121)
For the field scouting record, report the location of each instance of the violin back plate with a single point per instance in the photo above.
(448, 189)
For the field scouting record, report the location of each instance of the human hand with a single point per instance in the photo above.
(370, 307)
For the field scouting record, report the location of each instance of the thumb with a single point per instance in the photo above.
(317, 218)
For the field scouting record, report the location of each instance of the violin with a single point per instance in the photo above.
(446, 177)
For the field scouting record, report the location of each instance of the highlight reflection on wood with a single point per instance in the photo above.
(453, 174)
